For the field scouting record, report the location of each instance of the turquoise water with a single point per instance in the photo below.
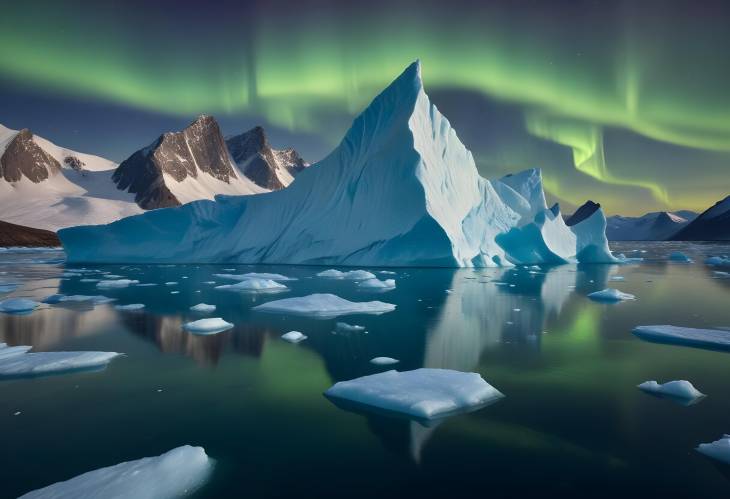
(572, 423)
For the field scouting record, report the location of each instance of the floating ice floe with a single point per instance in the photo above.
(88, 279)
(719, 449)
(716, 339)
(176, 473)
(720, 261)
(253, 275)
(383, 361)
(255, 285)
(18, 305)
(8, 287)
(679, 389)
(678, 256)
(423, 394)
(354, 275)
(94, 299)
(112, 276)
(207, 326)
(387, 272)
(610, 295)
(344, 327)
(171, 283)
(119, 283)
(130, 307)
(720, 274)
(324, 306)
(377, 285)
(617, 278)
(293, 337)
(146, 285)
(15, 362)
(203, 308)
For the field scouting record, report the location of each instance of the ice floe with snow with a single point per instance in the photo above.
(18, 305)
(714, 339)
(293, 337)
(15, 362)
(176, 473)
(131, 307)
(680, 389)
(719, 449)
(94, 299)
(207, 326)
(118, 283)
(324, 306)
(203, 308)
(344, 327)
(423, 394)
(353, 275)
(383, 361)
(376, 285)
(254, 275)
(255, 285)
(610, 295)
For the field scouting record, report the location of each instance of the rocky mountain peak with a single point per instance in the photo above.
(24, 158)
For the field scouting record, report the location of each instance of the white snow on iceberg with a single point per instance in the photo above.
(18, 305)
(610, 295)
(255, 285)
(15, 362)
(701, 338)
(400, 190)
(680, 389)
(719, 449)
(176, 473)
(423, 394)
(324, 306)
(208, 326)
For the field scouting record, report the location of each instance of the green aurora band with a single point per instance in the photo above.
(574, 72)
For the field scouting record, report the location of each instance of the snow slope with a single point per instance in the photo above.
(654, 226)
(400, 190)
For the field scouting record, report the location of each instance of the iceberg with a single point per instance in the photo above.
(293, 337)
(610, 295)
(16, 362)
(422, 394)
(383, 361)
(719, 449)
(203, 308)
(207, 326)
(377, 285)
(680, 389)
(713, 339)
(400, 190)
(255, 285)
(176, 473)
(355, 275)
(18, 305)
(323, 306)
(118, 283)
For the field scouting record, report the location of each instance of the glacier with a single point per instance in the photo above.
(400, 190)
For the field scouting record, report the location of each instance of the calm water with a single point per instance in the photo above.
(572, 423)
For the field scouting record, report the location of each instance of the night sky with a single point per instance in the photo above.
(626, 103)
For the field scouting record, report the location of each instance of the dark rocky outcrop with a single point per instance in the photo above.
(586, 210)
(19, 235)
(712, 225)
(24, 158)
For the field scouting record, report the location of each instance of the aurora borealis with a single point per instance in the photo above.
(625, 103)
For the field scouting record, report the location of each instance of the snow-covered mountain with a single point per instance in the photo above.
(654, 226)
(711, 225)
(400, 190)
(180, 167)
(49, 187)
(267, 167)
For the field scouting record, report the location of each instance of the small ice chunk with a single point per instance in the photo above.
(112, 276)
(719, 449)
(18, 305)
(254, 275)
(687, 336)
(354, 275)
(15, 362)
(610, 295)
(377, 285)
(423, 394)
(383, 361)
(146, 285)
(174, 292)
(176, 473)
(207, 326)
(344, 327)
(324, 306)
(255, 285)
(293, 337)
(130, 307)
(119, 283)
(171, 283)
(203, 308)
(680, 389)
(387, 272)
(617, 278)
(678, 256)
(718, 260)
(88, 279)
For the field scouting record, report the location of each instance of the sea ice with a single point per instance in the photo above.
(719, 449)
(687, 336)
(130, 307)
(253, 275)
(324, 306)
(293, 337)
(610, 295)
(422, 393)
(16, 363)
(207, 326)
(18, 305)
(377, 285)
(255, 285)
(383, 361)
(680, 389)
(176, 473)
(354, 275)
(119, 283)
(203, 308)
(94, 299)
